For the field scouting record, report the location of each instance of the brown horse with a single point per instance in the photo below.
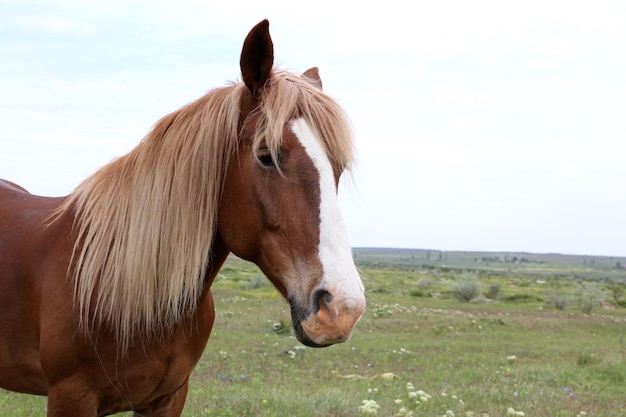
(105, 301)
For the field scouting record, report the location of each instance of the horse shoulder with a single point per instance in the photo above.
(154, 374)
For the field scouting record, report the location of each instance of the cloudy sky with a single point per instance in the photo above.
(482, 125)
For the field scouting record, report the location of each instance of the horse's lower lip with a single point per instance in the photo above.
(305, 340)
(308, 342)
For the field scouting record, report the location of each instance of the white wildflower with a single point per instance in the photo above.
(404, 412)
(369, 407)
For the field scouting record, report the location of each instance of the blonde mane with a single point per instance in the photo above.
(146, 221)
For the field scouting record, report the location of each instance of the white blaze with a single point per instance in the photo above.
(334, 248)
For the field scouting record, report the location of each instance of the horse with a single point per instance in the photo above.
(105, 293)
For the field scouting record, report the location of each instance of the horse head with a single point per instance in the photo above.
(279, 206)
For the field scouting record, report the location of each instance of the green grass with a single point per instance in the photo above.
(483, 357)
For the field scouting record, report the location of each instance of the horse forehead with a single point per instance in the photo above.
(307, 139)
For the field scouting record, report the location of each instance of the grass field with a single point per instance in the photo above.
(418, 350)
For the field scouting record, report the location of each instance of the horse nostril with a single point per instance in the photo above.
(321, 298)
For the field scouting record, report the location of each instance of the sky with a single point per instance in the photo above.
(480, 126)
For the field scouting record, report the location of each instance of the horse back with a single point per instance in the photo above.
(24, 232)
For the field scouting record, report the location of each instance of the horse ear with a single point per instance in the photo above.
(257, 57)
(313, 75)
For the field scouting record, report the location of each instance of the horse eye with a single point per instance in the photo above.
(264, 156)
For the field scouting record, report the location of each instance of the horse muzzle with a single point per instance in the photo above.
(328, 319)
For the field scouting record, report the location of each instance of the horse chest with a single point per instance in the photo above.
(141, 381)
(168, 364)
(153, 379)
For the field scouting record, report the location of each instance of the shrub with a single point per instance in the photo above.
(522, 298)
(560, 300)
(258, 281)
(380, 289)
(589, 296)
(617, 291)
(425, 283)
(416, 293)
(466, 287)
(493, 292)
